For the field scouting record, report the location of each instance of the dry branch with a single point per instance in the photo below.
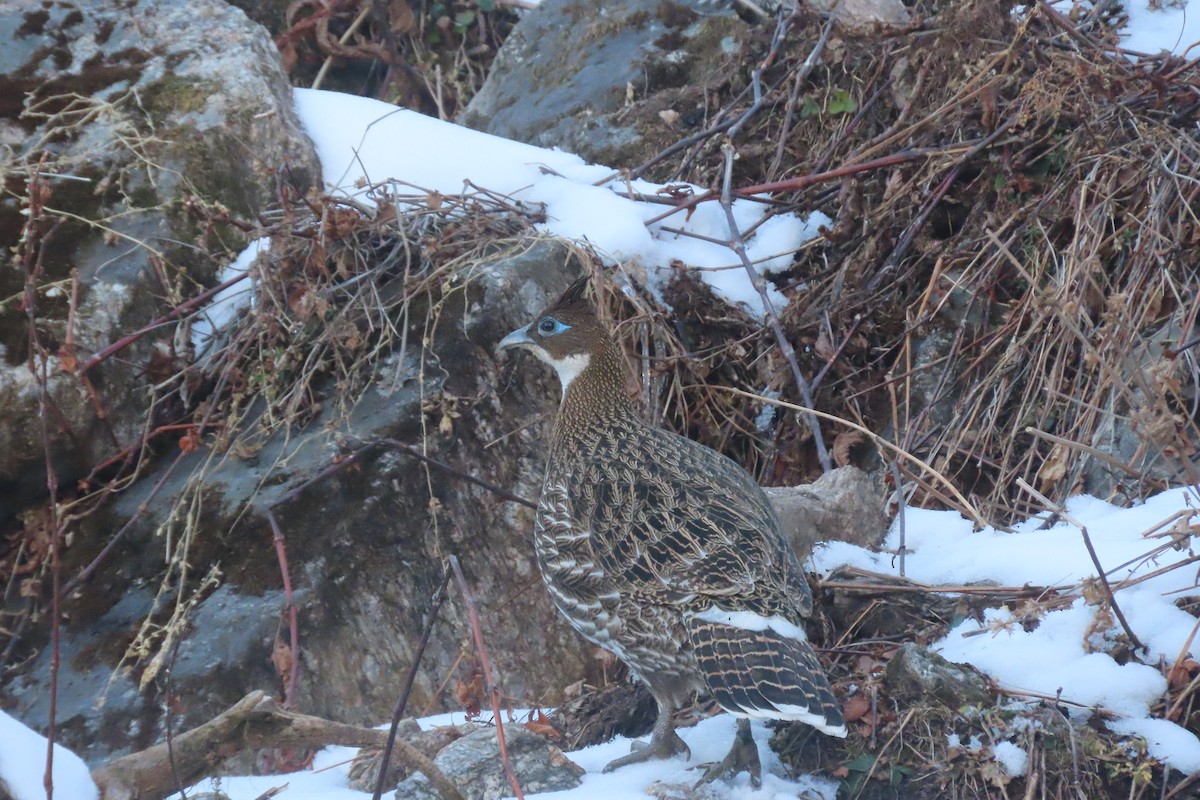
(252, 723)
(485, 666)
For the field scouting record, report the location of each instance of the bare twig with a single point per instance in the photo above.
(485, 666)
(178, 312)
(914, 227)
(902, 549)
(444, 467)
(254, 722)
(402, 702)
(1087, 541)
(738, 246)
(1091, 451)
(798, 80)
(1183, 785)
(32, 249)
(802, 182)
(293, 676)
(964, 505)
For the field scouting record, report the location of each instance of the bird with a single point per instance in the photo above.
(667, 553)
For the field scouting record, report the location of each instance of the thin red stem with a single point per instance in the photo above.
(484, 664)
(293, 678)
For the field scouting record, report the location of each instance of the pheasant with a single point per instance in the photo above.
(667, 553)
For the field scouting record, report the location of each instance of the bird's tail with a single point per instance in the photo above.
(760, 671)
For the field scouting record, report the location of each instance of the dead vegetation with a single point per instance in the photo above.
(1008, 294)
(431, 56)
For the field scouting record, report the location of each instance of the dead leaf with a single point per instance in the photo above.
(1054, 468)
(856, 707)
(824, 346)
(842, 443)
(281, 657)
(540, 725)
(190, 442)
(469, 695)
(401, 18)
(1180, 674)
(66, 359)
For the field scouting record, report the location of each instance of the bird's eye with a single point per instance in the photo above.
(549, 326)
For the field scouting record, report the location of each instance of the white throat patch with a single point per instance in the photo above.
(568, 368)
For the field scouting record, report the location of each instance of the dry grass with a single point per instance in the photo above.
(1017, 310)
(978, 315)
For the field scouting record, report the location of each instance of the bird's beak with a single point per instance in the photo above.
(518, 338)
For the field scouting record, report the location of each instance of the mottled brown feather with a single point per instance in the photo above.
(638, 530)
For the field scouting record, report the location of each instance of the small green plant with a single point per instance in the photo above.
(840, 102)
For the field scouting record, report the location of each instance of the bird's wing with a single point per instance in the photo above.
(676, 522)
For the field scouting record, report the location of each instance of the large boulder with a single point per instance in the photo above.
(150, 123)
(611, 82)
(473, 763)
(843, 505)
(365, 545)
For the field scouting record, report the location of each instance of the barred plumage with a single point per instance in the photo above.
(666, 552)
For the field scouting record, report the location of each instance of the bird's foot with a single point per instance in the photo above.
(742, 757)
(665, 746)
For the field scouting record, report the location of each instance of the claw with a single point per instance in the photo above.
(742, 757)
(665, 745)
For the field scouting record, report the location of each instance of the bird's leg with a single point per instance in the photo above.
(743, 756)
(664, 743)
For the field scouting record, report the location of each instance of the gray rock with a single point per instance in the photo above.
(473, 764)
(148, 109)
(102, 711)
(364, 772)
(364, 545)
(916, 675)
(571, 70)
(1143, 427)
(843, 505)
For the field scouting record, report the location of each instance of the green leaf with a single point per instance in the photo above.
(860, 763)
(842, 103)
(486, 6)
(462, 19)
(809, 109)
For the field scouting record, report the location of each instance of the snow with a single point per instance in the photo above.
(1066, 651)
(1165, 741)
(23, 765)
(226, 303)
(1063, 655)
(362, 141)
(1012, 758)
(709, 741)
(1157, 25)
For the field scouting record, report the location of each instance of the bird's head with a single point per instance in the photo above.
(566, 335)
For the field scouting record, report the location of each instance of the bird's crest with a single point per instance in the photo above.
(574, 297)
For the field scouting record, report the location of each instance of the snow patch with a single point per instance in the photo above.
(1063, 652)
(1012, 758)
(230, 301)
(1157, 25)
(23, 764)
(362, 141)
